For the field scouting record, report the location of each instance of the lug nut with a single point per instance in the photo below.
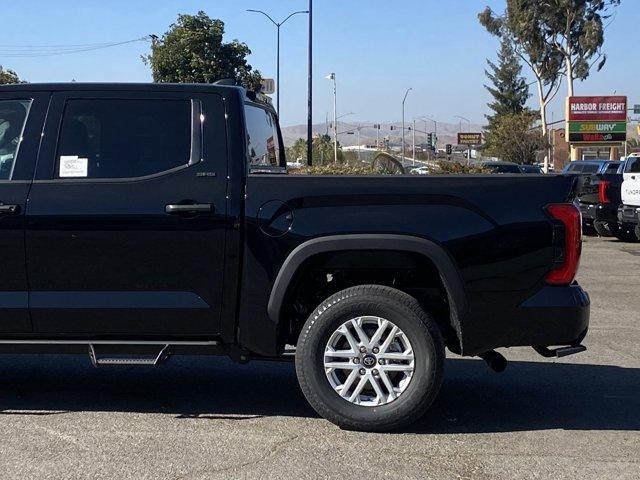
(356, 360)
(362, 371)
(381, 361)
(363, 349)
(375, 372)
(376, 350)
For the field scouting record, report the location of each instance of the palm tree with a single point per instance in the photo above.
(633, 145)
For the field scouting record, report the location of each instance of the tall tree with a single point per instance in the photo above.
(515, 139)
(193, 51)
(9, 76)
(509, 89)
(522, 24)
(576, 31)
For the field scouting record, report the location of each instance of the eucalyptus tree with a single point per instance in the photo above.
(521, 24)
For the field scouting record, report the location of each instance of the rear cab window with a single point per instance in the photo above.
(13, 118)
(264, 145)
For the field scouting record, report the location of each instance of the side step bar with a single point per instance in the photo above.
(97, 361)
(560, 352)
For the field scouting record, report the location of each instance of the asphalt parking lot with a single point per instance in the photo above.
(199, 418)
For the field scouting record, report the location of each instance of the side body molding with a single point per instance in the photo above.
(437, 254)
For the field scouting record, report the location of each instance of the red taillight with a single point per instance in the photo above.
(570, 217)
(603, 189)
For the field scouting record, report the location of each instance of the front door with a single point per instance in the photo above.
(631, 183)
(126, 218)
(21, 117)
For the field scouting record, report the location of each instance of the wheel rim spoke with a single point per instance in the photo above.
(388, 385)
(380, 396)
(362, 336)
(369, 361)
(390, 337)
(396, 367)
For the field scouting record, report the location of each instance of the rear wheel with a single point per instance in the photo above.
(369, 358)
(626, 235)
(604, 229)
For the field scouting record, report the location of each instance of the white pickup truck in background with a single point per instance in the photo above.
(629, 212)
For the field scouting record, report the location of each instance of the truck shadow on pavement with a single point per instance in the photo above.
(528, 396)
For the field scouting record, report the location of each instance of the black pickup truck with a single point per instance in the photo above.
(599, 199)
(139, 222)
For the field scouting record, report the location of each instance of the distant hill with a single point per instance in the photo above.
(447, 132)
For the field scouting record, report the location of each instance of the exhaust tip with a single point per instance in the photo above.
(494, 360)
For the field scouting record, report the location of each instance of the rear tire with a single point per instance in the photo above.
(604, 229)
(407, 381)
(626, 236)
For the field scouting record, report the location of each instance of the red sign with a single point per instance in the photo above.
(597, 109)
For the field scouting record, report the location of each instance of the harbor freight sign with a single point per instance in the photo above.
(469, 139)
(601, 120)
(595, 109)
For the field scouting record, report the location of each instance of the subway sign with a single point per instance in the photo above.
(597, 119)
(597, 131)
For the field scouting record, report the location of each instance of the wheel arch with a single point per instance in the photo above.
(447, 269)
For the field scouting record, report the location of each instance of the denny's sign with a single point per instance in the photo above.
(597, 119)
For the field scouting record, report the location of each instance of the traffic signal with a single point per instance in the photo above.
(429, 140)
(434, 140)
(449, 149)
(392, 127)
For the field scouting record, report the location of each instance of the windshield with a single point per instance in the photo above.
(590, 168)
(13, 116)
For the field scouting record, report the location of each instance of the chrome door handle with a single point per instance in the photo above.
(177, 209)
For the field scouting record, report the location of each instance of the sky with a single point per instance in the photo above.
(377, 48)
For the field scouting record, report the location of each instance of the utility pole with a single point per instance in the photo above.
(469, 129)
(403, 102)
(358, 140)
(332, 76)
(310, 90)
(278, 25)
(414, 143)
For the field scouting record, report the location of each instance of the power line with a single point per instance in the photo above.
(29, 51)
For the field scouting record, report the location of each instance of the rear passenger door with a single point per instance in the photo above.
(21, 121)
(126, 221)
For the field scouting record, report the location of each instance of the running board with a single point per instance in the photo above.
(560, 352)
(97, 361)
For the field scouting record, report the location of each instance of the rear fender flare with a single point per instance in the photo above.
(446, 266)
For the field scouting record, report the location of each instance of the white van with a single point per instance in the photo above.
(629, 212)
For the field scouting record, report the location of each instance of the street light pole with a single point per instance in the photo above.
(310, 90)
(278, 25)
(435, 126)
(403, 102)
(469, 129)
(332, 76)
(413, 157)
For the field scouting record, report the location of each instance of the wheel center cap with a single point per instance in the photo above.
(369, 361)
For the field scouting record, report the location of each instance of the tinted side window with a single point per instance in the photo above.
(590, 168)
(263, 143)
(105, 138)
(633, 165)
(13, 117)
(612, 168)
